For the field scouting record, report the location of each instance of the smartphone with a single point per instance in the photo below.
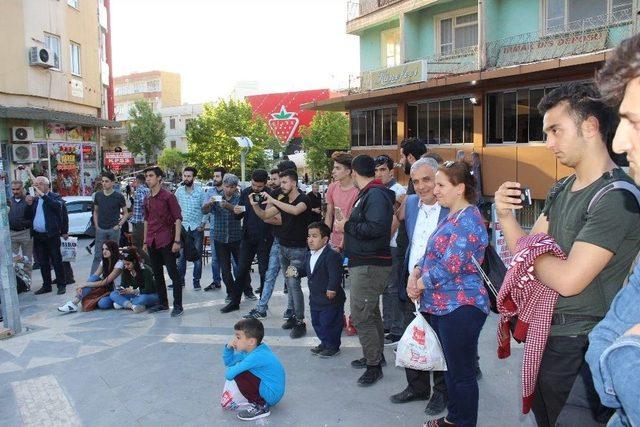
(242, 208)
(216, 198)
(32, 192)
(525, 196)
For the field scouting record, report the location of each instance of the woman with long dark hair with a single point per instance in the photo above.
(138, 287)
(109, 269)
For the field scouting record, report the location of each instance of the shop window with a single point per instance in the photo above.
(390, 44)
(523, 113)
(433, 134)
(510, 117)
(445, 122)
(412, 121)
(378, 126)
(448, 121)
(457, 31)
(75, 59)
(535, 118)
(467, 121)
(574, 15)
(457, 116)
(52, 43)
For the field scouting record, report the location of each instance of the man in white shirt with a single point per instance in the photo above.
(421, 214)
(392, 316)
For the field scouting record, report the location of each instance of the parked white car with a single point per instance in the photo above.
(80, 209)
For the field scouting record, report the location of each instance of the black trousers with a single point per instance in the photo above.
(420, 381)
(46, 251)
(249, 248)
(164, 257)
(224, 251)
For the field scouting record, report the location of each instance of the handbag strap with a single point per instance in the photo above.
(484, 276)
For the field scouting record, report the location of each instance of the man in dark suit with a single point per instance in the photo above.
(323, 269)
(420, 214)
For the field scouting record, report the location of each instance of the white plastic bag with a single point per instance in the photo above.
(231, 398)
(68, 248)
(419, 347)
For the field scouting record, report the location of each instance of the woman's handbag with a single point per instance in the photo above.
(90, 302)
(492, 271)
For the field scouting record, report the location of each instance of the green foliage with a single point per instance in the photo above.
(145, 131)
(172, 160)
(210, 138)
(327, 131)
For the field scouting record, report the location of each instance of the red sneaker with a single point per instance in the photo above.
(351, 330)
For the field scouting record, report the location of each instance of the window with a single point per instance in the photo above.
(153, 86)
(458, 31)
(74, 3)
(373, 127)
(390, 43)
(447, 121)
(75, 59)
(173, 144)
(172, 123)
(52, 43)
(574, 15)
(513, 117)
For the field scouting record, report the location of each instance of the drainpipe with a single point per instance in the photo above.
(111, 109)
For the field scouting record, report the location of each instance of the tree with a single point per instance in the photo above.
(327, 131)
(145, 131)
(172, 160)
(210, 137)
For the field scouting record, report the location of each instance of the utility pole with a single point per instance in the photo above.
(8, 290)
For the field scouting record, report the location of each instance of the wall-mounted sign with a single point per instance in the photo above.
(112, 159)
(411, 72)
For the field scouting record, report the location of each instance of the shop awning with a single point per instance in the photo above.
(31, 113)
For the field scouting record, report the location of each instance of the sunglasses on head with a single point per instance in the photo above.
(448, 164)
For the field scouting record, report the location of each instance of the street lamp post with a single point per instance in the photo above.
(8, 290)
(245, 145)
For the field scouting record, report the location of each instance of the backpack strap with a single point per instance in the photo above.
(553, 193)
(615, 185)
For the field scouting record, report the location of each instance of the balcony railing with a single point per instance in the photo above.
(358, 8)
(587, 36)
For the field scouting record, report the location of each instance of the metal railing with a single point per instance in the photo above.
(358, 8)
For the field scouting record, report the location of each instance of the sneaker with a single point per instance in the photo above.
(407, 395)
(251, 296)
(330, 352)
(254, 412)
(290, 323)
(157, 308)
(370, 376)
(196, 286)
(117, 306)
(299, 330)
(288, 313)
(362, 363)
(391, 340)
(317, 349)
(436, 405)
(209, 288)
(69, 307)
(255, 314)
(177, 312)
(138, 308)
(229, 308)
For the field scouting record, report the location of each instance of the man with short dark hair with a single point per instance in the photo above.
(218, 174)
(190, 198)
(600, 245)
(162, 229)
(367, 233)
(109, 214)
(256, 240)
(293, 209)
(274, 179)
(20, 221)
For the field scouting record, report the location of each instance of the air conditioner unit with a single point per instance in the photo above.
(22, 153)
(22, 134)
(43, 57)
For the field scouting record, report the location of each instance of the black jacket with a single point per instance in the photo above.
(368, 231)
(53, 214)
(326, 276)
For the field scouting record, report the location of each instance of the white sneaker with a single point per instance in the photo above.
(138, 308)
(69, 307)
(117, 306)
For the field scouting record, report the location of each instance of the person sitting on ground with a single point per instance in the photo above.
(107, 272)
(255, 370)
(138, 287)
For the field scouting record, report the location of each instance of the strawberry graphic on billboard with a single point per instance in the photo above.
(283, 124)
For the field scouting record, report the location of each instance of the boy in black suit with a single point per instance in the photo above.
(323, 269)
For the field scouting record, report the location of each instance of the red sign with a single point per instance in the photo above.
(282, 111)
(113, 160)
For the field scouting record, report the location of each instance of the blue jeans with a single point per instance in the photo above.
(270, 277)
(197, 265)
(215, 266)
(104, 303)
(458, 333)
(148, 300)
(294, 257)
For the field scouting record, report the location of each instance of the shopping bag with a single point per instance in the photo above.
(231, 398)
(419, 347)
(68, 248)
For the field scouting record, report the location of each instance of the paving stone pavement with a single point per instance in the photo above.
(106, 368)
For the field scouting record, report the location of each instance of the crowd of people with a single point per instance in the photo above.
(418, 246)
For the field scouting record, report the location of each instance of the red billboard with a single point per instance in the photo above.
(282, 111)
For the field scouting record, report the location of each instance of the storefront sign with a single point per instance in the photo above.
(411, 72)
(77, 88)
(124, 158)
(552, 47)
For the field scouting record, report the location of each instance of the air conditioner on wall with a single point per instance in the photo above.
(21, 153)
(43, 57)
(22, 134)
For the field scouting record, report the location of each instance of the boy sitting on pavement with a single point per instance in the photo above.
(323, 269)
(253, 371)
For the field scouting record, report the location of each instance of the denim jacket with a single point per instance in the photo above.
(614, 358)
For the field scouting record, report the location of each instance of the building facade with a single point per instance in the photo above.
(176, 121)
(54, 89)
(160, 88)
(468, 75)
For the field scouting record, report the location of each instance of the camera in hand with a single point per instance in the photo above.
(525, 196)
(258, 198)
